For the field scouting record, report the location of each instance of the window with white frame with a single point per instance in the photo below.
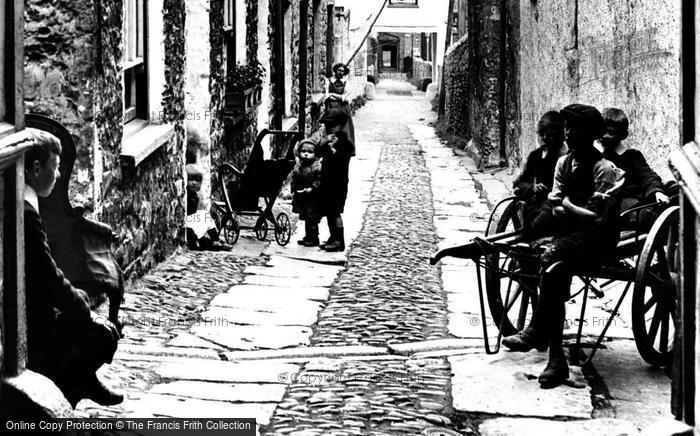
(229, 35)
(5, 68)
(135, 61)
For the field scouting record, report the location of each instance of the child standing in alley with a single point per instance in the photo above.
(306, 182)
(336, 149)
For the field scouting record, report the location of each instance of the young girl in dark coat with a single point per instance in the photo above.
(535, 182)
(336, 149)
(306, 183)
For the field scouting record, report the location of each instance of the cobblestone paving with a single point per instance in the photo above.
(163, 303)
(365, 397)
(387, 294)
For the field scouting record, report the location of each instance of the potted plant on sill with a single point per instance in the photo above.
(243, 90)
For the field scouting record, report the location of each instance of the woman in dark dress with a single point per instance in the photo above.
(337, 97)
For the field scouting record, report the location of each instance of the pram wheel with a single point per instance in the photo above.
(283, 229)
(232, 230)
(261, 229)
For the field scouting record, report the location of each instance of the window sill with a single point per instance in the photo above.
(13, 146)
(317, 97)
(289, 124)
(140, 141)
(6, 128)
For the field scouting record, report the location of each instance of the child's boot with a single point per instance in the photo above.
(311, 238)
(331, 238)
(338, 243)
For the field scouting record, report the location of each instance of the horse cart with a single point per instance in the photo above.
(508, 270)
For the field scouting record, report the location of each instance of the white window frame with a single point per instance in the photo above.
(135, 66)
(229, 35)
(11, 66)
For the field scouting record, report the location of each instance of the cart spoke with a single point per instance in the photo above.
(654, 327)
(650, 303)
(514, 298)
(522, 314)
(663, 265)
(663, 340)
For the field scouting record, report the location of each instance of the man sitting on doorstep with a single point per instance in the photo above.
(586, 207)
(642, 184)
(67, 342)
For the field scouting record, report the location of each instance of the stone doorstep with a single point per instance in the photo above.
(169, 351)
(537, 427)
(307, 352)
(434, 346)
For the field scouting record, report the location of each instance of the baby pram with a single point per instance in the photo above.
(241, 190)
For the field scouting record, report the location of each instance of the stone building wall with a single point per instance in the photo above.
(73, 69)
(146, 208)
(481, 83)
(604, 53)
(60, 50)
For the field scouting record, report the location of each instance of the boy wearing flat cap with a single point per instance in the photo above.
(585, 200)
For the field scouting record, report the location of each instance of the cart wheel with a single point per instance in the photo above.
(231, 229)
(512, 316)
(654, 298)
(261, 229)
(283, 229)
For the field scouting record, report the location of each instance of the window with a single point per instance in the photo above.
(315, 66)
(6, 66)
(135, 61)
(229, 35)
(403, 3)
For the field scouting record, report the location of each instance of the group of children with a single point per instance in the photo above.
(320, 181)
(573, 191)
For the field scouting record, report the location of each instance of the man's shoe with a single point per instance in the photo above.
(556, 373)
(101, 394)
(525, 340)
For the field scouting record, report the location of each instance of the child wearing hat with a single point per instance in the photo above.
(336, 149)
(200, 227)
(585, 200)
(642, 184)
(306, 183)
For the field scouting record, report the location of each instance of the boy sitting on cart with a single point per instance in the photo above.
(585, 206)
(535, 182)
(642, 184)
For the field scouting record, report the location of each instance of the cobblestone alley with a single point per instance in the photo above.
(371, 341)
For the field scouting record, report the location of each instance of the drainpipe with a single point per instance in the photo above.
(502, 73)
(278, 47)
(303, 62)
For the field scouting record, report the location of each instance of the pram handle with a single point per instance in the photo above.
(228, 168)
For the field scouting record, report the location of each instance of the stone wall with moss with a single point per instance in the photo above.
(73, 69)
(146, 207)
(60, 47)
(481, 83)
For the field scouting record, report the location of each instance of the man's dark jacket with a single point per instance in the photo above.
(47, 288)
